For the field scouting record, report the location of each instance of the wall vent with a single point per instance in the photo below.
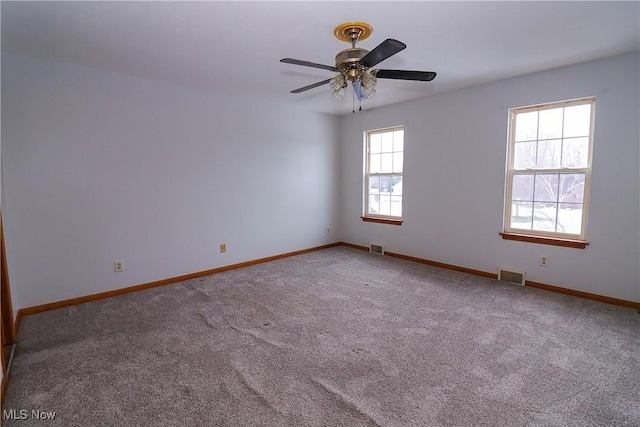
(376, 249)
(511, 276)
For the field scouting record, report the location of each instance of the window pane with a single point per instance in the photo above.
(572, 188)
(374, 204)
(387, 163)
(387, 142)
(374, 185)
(570, 218)
(374, 163)
(522, 188)
(524, 156)
(397, 162)
(385, 204)
(575, 152)
(374, 143)
(398, 140)
(385, 184)
(577, 120)
(527, 126)
(549, 154)
(544, 216)
(396, 185)
(521, 215)
(550, 124)
(546, 188)
(396, 205)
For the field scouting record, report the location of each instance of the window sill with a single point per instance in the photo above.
(382, 220)
(568, 243)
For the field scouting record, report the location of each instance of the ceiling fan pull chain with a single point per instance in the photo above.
(353, 102)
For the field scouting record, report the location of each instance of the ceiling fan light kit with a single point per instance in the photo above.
(354, 64)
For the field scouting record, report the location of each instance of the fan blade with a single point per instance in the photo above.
(302, 89)
(307, 64)
(425, 76)
(384, 50)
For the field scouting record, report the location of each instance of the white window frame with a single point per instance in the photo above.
(511, 172)
(389, 219)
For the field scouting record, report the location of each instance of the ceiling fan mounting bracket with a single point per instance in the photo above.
(353, 32)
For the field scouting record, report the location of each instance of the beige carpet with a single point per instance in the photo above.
(337, 337)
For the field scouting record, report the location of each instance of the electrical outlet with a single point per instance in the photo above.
(223, 248)
(118, 266)
(328, 230)
(544, 261)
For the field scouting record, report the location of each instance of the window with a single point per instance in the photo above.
(549, 171)
(384, 150)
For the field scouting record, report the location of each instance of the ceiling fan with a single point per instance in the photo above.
(353, 64)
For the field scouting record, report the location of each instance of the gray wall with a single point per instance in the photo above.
(100, 166)
(455, 151)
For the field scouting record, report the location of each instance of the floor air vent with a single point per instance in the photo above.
(376, 249)
(511, 276)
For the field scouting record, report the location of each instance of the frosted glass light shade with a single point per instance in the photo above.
(369, 82)
(338, 83)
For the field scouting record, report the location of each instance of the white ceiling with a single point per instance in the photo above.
(235, 46)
